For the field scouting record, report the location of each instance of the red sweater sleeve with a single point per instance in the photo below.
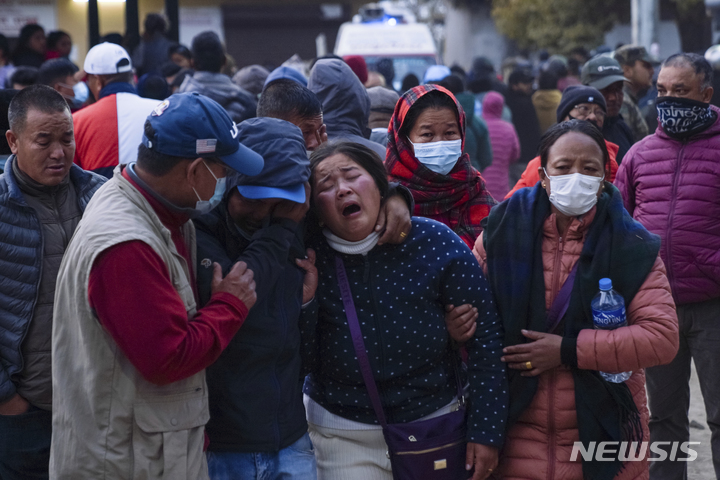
(134, 299)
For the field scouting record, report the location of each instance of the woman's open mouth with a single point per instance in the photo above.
(350, 209)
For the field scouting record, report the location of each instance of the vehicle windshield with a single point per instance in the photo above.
(404, 66)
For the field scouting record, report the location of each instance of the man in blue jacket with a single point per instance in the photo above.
(42, 198)
(257, 425)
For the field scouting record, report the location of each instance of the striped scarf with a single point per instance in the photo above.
(458, 199)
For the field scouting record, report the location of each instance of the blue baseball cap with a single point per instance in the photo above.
(190, 125)
(287, 167)
(286, 72)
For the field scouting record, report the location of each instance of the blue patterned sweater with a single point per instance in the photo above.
(399, 293)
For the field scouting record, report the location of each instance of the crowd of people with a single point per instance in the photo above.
(263, 272)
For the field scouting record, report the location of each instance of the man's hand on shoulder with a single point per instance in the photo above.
(394, 221)
(293, 210)
(238, 282)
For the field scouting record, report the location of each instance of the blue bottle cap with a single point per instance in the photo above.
(605, 284)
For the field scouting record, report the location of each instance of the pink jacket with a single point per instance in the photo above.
(505, 146)
(539, 445)
(673, 189)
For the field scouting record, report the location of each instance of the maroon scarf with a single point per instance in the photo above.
(458, 199)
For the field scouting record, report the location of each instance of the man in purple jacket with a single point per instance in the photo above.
(670, 182)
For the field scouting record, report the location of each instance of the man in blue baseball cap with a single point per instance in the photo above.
(130, 342)
(264, 434)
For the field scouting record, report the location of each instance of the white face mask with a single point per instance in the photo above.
(440, 157)
(574, 194)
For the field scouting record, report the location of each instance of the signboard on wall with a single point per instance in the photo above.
(201, 19)
(16, 14)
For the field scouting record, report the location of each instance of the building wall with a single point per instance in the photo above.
(72, 16)
(470, 33)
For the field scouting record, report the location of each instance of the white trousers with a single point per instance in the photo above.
(350, 454)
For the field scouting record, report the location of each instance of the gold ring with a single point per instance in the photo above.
(403, 234)
(528, 365)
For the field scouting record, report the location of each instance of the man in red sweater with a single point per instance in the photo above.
(130, 342)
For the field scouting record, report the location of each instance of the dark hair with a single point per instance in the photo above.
(432, 99)
(557, 67)
(547, 80)
(168, 69)
(410, 81)
(458, 70)
(386, 68)
(115, 38)
(697, 62)
(284, 98)
(154, 86)
(208, 52)
(453, 83)
(54, 37)
(154, 22)
(55, 70)
(180, 50)
(480, 84)
(39, 97)
(26, 33)
(582, 51)
(574, 67)
(155, 163)
(6, 96)
(24, 76)
(358, 153)
(4, 47)
(520, 75)
(575, 125)
(180, 77)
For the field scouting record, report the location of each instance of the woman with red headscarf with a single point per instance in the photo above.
(425, 154)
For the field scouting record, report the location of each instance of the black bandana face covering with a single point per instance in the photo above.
(681, 117)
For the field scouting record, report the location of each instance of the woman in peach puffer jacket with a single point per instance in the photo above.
(530, 245)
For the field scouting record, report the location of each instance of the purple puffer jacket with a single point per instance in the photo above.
(673, 189)
(505, 146)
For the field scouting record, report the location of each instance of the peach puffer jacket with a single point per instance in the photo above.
(539, 445)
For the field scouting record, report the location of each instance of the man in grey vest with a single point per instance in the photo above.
(42, 197)
(129, 344)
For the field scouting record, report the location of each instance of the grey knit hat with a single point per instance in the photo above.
(251, 78)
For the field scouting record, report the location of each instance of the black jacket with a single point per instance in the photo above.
(526, 123)
(256, 386)
(615, 130)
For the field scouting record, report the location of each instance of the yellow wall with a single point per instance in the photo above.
(72, 16)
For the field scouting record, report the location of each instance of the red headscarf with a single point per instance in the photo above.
(458, 199)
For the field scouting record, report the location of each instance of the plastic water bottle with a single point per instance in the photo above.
(608, 310)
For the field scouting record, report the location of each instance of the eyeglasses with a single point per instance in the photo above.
(585, 111)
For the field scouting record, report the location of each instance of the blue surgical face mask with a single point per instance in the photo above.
(81, 92)
(205, 206)
(440, 157)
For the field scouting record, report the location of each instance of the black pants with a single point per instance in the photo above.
(25, 445)
(669, 390)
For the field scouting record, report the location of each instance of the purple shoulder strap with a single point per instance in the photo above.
(561, 302)
(358, 343)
